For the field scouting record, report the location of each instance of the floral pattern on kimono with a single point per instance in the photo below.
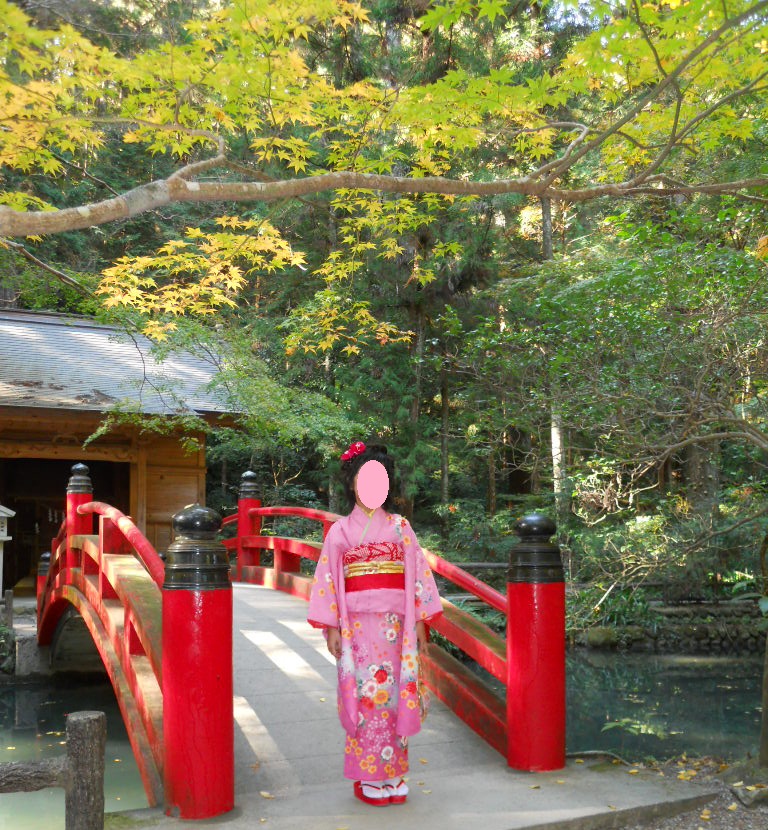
(331, 606)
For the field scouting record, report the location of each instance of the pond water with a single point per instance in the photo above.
(32, 727)
(662, 706)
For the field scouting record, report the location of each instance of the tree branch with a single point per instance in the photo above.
(671, 78)
(750, 436)
(176, 189)
(60, 275)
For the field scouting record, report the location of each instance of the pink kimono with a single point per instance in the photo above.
(373, 583)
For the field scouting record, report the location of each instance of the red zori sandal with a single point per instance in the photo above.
(378, 795)
(398, 792)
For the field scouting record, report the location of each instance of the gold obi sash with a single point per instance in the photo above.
(360, 576)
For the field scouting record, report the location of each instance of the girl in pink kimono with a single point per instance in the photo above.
(373, 593)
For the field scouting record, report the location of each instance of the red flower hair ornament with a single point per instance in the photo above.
(355, 448)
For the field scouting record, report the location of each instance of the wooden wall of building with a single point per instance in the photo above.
(149, 477)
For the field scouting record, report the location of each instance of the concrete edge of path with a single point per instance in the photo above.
(628, 816)
(612, 820)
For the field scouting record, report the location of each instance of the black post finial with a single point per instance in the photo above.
(248, 488)
(535, 526)
(80, 480)
(196, 560)
(534, 558)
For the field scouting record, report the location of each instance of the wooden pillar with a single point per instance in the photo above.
(198, 714)
(535, 649)
(79, 491)
(247, 525)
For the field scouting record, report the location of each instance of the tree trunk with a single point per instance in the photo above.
(764, 719)
(535, 474)
(701, 489)
(492, 481)
(547, 249)
(701, 480)
(559, 475)
(444, 412)
(559, 471)
(334, 503)
(418, 361)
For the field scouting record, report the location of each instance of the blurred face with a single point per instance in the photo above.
(372, 484)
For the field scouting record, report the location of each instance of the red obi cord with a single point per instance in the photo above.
(368, 581)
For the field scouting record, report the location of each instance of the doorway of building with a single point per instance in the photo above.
(36, 490)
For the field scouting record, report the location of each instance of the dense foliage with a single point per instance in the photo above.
(519, 332)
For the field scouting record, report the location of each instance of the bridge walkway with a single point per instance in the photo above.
(289, 747)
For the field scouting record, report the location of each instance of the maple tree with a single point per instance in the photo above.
(632, 107)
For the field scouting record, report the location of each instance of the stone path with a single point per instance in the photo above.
(289, 746)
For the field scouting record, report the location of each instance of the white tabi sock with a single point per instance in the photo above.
(374, 789)
(398, 786)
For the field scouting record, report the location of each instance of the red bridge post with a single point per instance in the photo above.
(43, 569)
(198, 713)
(79, 491)
(535, 649)
(247, 525)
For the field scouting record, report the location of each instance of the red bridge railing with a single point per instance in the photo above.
(113, 578)
(528, 727)
(150, 620)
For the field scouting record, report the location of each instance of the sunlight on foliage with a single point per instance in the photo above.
(198, 275)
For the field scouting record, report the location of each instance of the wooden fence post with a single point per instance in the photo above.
(80, 772)
(86, 744)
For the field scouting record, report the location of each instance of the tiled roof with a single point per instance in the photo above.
(58, 362)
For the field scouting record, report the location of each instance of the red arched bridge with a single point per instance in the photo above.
(163, 629)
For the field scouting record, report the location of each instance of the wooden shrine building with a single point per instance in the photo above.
(59, 376)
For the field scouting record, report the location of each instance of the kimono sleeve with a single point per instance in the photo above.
(428, 605)
(323, 600)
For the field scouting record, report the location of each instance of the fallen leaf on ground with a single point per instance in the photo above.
(265, 794)
(535, 787)
(423, 761)
(732, 807)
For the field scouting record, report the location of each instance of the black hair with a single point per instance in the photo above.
(350, 468)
